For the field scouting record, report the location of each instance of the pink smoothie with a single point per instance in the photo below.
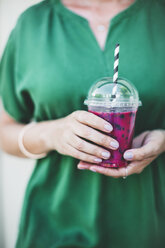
(123, 130)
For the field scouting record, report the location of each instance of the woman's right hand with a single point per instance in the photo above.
(70, 136)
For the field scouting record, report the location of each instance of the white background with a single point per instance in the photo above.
(14, 172)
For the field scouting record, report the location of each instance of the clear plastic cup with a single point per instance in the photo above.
(117, 104)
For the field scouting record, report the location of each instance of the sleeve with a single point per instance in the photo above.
(16, 103)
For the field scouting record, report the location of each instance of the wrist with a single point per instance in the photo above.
(45, 135)
(34, 139)
(48, 136)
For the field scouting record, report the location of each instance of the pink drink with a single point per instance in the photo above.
(123, 129)
(117, 103)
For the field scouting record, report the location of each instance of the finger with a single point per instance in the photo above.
(95, 136)
(141, 153)
(116, 173)
(85, 165)
(136, 167)
(86, 147)
(93, 120)
(138, 140)
(82, 156)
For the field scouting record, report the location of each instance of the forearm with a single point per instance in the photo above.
(34, 139)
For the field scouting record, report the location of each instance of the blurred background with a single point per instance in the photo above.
(14, 172)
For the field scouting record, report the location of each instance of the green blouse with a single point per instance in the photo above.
(50, 61)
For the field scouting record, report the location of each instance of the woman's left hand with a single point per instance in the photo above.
(146, 147)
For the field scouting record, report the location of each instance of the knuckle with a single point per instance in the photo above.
(82, 156)
(62, 149)
(87, 133)
(79, 115)
(140, 154)
(96, 152)
(69, 123)
(90, 159)
(75, 114)
(71, 116)
(104, 140)
(86, 158)
(80, 144)
(65, 152)
(76, 154)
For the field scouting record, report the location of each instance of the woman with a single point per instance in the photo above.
(54, 54)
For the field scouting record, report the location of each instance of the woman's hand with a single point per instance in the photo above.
(146, 147)
(70, 136)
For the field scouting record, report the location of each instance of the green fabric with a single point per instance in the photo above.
(50, 61)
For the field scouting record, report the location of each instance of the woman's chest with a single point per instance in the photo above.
(65, 66)
(98, 14)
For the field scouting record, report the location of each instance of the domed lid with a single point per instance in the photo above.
(107, 94)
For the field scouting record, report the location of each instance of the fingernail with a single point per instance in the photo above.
(128, 155)
(98, 160)
(106, 154)
(92, 169)
(108, 127)
(114, 144)
(81, 168)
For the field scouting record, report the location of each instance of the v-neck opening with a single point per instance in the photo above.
(122, 14)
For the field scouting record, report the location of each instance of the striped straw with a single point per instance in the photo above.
(116, 67)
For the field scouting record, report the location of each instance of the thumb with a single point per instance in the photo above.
(141, 153)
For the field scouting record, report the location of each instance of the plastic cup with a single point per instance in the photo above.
(119, 110)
